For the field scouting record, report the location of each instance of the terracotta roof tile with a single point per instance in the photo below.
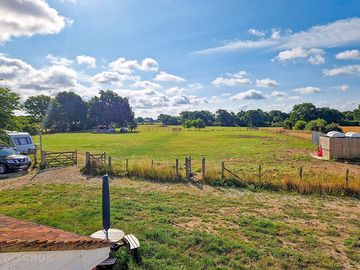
(17, 235)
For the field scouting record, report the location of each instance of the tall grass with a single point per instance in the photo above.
(312, 182)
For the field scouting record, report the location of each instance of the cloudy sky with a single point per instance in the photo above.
(167, 56)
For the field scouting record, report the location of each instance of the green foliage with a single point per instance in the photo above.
(332, 127)
(132, 125)
(316, 125)
(207, 117)
(9, 102)
(288, 124)
(197, 123)
(225, 119)
(304, 111)
(166, 119)
(300, 125)
(37, 106)
(4, 138)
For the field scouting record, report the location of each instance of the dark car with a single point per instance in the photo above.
(11, 160)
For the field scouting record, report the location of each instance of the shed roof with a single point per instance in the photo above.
(18, 236)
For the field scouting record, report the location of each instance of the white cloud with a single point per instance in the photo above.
(28, 18)
(350, 54)
(313, 55)
(345, 70)
(164, 76)
(112, 77)
(149, 64)
(307, 90)
(256, 32)
(176, 91)
(279, 94)
(232, 79)
(59, 60)
(196, 86)
(86, 60)
(147, 85)
(335, 34)
(129, 66)
(266, 83)
(342, 88)
(247, 95)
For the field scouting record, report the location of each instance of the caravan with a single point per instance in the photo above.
(21, 141)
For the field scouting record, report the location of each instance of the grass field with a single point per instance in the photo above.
(183, 227)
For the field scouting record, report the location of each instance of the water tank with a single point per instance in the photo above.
(352, 134)
(335, 134)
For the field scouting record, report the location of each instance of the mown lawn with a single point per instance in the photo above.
(213, 143)
(181, 226)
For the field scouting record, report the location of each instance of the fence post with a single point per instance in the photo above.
(43, 159)
(177, 168)
(222, 169)
(187, 168)
(301, 172)
(203, 169)
(152, 163)
(110, 162)
(347, 178)
(104, 157)
(127, 165)
(75, 157)
(87, 158)
(189, 160)
(260, 172)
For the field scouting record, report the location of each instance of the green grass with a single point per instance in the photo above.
(183, 227)
(213, 143)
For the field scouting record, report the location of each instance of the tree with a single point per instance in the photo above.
(330, 115)
(109, 109)
(166, 119)
(303, 111)
(37, 106)
(300, 125)
(139, 120)
(68, 112)
(277, 118)
(9, 102)
(188, 123)
(132, 125)
(206, 116)
(224, 118)
(333, 127)
(199, 123)
(256, 118)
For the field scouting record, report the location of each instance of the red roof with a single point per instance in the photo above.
(17, 235)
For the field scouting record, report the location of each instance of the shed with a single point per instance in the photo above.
(26, 245)
(340, 147)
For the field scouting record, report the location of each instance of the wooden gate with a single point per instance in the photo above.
(58, 159)
(98, 158)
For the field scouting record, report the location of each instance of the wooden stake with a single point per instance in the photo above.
(203, 169)
(187, 168)
(127, 165)
(43, 159)
(152, 163)
(87, 158)
(222, 169)
(110, 162)
(260, 172)
(301, 173)
(177, 168)
(347, 178)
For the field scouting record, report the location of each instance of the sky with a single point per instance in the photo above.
(168, 56)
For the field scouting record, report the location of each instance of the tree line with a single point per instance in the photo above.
(67, 111)
(302, 116)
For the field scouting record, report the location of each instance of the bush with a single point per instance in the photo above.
(316, 125)
(300, 125)
(333, 127)
(4, 139)
(288, 124)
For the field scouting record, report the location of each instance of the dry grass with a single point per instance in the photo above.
(301, 134)
(351, 128)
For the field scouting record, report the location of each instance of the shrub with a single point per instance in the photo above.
(316, 125)
(300, 125)
(288, 124)
(333, 127)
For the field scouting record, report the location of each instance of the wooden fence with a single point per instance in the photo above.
(98, 158)
(58, 159)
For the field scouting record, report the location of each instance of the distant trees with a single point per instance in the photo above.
(166, 119)
(197, 123)
(206, 116)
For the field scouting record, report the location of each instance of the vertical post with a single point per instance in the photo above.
(260, 172)
(110, 162)
(104, 158)
(301, 172)
(203, 169)
(347, 178)
(187, 167)
(127, 165)
(106, 205)
(189, 160)
(35, 155)
(41, 148)
(152, 163)
(222, 169)
(177, 168)
(75, 158)
(43, 159)
(87, 158)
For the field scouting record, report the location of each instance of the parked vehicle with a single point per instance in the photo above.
(11, 160)
(21, 141)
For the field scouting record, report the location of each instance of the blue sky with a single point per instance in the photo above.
(167, 56)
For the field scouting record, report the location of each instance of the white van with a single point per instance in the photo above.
(21, 141)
